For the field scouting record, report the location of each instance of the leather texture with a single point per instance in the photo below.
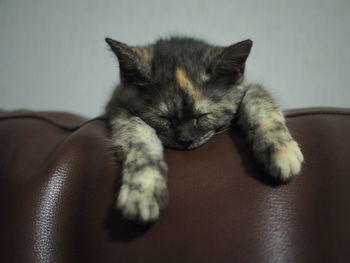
(59, 179)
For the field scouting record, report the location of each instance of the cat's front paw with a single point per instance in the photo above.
(286, 161)
(143, 196)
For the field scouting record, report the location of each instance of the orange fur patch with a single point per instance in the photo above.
(181, 78)
(185, 83)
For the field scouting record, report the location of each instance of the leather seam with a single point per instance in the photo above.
(64, 127)
(301, 114)
(75, 127)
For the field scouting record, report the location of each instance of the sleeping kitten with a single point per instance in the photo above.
(179, 92)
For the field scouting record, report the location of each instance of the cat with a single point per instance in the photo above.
(178, 92)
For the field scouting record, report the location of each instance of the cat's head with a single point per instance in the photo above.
(184, 88)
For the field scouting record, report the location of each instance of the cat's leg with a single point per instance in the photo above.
(143, 192)
(272, 144)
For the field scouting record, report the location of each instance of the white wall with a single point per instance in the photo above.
(53, 55)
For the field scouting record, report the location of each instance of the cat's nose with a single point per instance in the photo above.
(185, 142)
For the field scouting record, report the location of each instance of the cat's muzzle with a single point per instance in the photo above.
(200, 141)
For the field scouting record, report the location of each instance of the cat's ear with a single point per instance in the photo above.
(229, 62)
(134, 62)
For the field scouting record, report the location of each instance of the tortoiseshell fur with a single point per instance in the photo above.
(178, 92)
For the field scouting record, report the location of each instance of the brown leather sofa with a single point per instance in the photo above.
(58, 183)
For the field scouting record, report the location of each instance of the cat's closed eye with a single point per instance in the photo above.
(172, 121)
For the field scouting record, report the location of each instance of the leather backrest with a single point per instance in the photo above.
(59, 179)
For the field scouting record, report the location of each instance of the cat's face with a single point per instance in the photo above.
(185, 89)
